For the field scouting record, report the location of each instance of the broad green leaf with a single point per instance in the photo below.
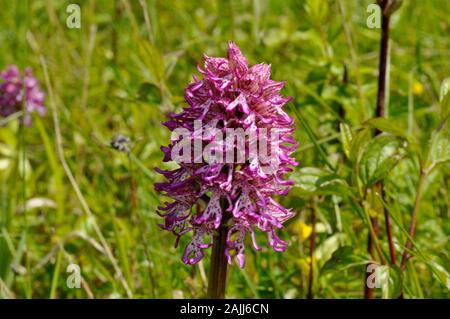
(313, 181)
(346, 138)
(440, 147)
(359, 140)
(344, 258)
(374, 202)
(379, 157)
(324, 252)
(391, 126)
(389, 279)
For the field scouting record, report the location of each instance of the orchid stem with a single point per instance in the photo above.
(218, 270)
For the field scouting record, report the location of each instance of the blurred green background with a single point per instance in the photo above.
(85, 203)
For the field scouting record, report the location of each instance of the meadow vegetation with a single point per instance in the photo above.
(68, 197)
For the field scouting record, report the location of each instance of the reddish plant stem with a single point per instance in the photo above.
(380, 112)
(218, 270)
(387, 220)
(381, 105)
(381, 101)
(312, 246)
(412, 226)
(382, 68)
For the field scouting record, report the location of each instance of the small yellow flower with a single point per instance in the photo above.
(417, 88)
(302, 230)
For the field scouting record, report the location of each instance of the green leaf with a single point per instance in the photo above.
(317, 10)
(324, 252)
(440, 273)
(359, 141)
(390, 126)
(389, 278)
(444, 98)
(346, 138)
(379, 157)
(440, 147)
(153, 60)
(445, 87)
(313, 181)
(344, 258)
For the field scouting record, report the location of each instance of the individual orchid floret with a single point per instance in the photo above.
(229, 183)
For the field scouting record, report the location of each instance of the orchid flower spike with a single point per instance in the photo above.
(230, 95)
